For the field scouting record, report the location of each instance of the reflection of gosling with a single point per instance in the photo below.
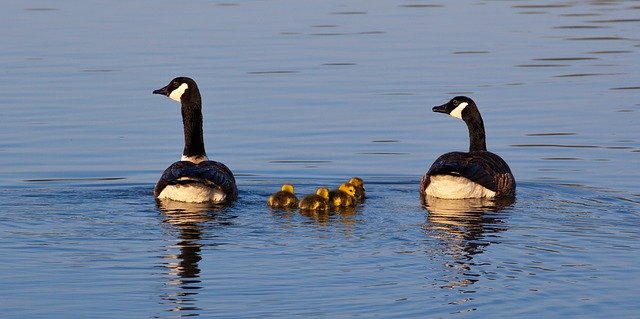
(344, 196)
(317, 201)
(285, 198)
(359, 184)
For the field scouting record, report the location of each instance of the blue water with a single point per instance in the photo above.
(313, 93)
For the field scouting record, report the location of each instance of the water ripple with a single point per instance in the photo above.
(272, 72)
(470, 52)
(554, 145)
(574, 75)
(581, 27)
(41, 9)
(609, 38)
(541, 6)
(421, 6)
(349, 12)
(565, 59)
(626, 88)
(610, 52)
(614, 21)
(541, 65)
(551, 134)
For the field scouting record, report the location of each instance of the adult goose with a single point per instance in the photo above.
(194, 178)
(474, 174)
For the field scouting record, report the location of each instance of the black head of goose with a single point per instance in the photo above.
(194, 178)
(474, 174)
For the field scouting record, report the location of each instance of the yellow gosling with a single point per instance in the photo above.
(344, 196)
(317, 202)
(285, 198)
(359, 184)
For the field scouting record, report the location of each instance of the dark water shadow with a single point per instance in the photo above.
(182, 269)
(465, 228)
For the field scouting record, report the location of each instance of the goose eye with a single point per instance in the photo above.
(455, 102)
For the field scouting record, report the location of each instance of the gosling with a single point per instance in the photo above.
(344, 196)
(318, 201)
(358, 183)
(284, 198)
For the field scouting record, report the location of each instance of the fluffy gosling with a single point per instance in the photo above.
(284, 198)
(344, 196)
(318, 201)
(359, 185)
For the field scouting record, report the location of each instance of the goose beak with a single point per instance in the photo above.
(162, 91)
(441, 108)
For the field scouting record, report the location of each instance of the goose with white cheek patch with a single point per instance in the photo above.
(194, 178)
(474, 174)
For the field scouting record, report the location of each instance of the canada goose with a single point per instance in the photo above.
(317, 201)
(194, 178)
(474, 174)
(284, 198)
(344, 196)
(359, 185)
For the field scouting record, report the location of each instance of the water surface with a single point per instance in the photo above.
(313, 93)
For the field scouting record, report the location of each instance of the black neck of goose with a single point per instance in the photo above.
(477, 140)
(192, 121)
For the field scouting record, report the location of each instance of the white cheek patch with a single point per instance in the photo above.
(177, 93)
(457, 112)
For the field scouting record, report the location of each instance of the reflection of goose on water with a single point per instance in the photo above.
(465, 228)
(454, 207)
(191, 220)
(462, 216)
(194, 178)
(474, 174)
(183, 270)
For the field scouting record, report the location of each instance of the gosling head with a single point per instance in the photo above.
(323, 192)
(348, 188)
(356, 181)
(287, 188)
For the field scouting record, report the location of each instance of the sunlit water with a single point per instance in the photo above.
(314, 92)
